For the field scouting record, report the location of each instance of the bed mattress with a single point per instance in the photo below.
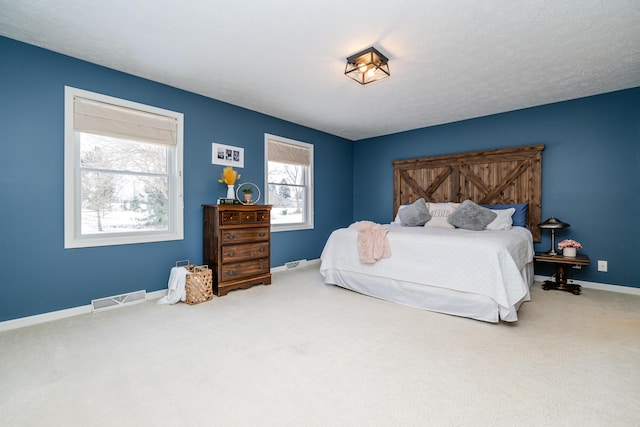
(484, 275)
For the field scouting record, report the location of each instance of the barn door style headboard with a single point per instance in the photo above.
(506, 175)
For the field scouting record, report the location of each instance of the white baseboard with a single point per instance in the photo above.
(44, 317)
(599, 286)
(21, 322)
(303, 263)
(156, 294)
(85, 309)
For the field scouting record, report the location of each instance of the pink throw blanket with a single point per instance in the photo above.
(373, 244)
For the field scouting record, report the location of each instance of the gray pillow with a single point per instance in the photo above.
(415, 214)
(471, 216)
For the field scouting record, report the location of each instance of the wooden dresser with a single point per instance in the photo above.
(237, 246)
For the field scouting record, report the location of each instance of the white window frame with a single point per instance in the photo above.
(309, 220)
(73, 237)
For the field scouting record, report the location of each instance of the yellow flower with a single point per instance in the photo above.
(229, 176)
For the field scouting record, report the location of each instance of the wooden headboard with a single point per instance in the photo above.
(507, 175)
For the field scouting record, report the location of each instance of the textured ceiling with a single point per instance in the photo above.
(449, 60)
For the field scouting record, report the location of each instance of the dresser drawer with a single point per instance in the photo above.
(244, 235)
(229, 218)
(263, 217)
(245, 251)
(239, 270)
(241, 217)
(247, 217)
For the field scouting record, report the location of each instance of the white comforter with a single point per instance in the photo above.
(488, 263)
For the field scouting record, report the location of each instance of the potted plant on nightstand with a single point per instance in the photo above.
(569, 248)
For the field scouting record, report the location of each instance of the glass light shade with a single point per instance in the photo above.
(367, 66)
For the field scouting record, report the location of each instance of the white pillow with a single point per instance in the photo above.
(439, 214)
(503, 221)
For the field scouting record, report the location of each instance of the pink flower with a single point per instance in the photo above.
(569, 244)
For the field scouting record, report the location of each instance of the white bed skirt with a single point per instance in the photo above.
(426, 297)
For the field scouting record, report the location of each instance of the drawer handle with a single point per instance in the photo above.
(231, 253)
(262, 249)
(248, 217)
(262, 234)
(231, 273)
(231, 236)
(261, 266)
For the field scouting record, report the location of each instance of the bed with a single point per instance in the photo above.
(483, 275)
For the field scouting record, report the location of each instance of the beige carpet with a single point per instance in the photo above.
(301, 353)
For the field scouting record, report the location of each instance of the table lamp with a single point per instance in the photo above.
(553, 224)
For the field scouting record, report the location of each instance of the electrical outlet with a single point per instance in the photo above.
(602, 265)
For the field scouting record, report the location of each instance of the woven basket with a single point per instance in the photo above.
(198, 284)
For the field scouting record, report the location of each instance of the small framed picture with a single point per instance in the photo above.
(227, 155)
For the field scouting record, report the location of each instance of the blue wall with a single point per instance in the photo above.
(590, 171)
(37, 274)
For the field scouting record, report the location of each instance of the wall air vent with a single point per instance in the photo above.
(118, 301)
(295, 264)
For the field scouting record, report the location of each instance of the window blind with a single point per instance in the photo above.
(121, 122)
(282, 152)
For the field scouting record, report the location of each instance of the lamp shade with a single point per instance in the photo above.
(553, 223)
(367, 66)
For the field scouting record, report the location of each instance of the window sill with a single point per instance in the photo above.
(290, 227)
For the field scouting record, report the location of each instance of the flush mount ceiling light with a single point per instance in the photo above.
(367, 66)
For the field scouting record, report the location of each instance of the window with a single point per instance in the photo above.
(122, 172)
(289, 183)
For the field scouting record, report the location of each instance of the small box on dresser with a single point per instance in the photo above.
(237, 245)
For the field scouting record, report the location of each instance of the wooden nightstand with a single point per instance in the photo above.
(561, 277)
